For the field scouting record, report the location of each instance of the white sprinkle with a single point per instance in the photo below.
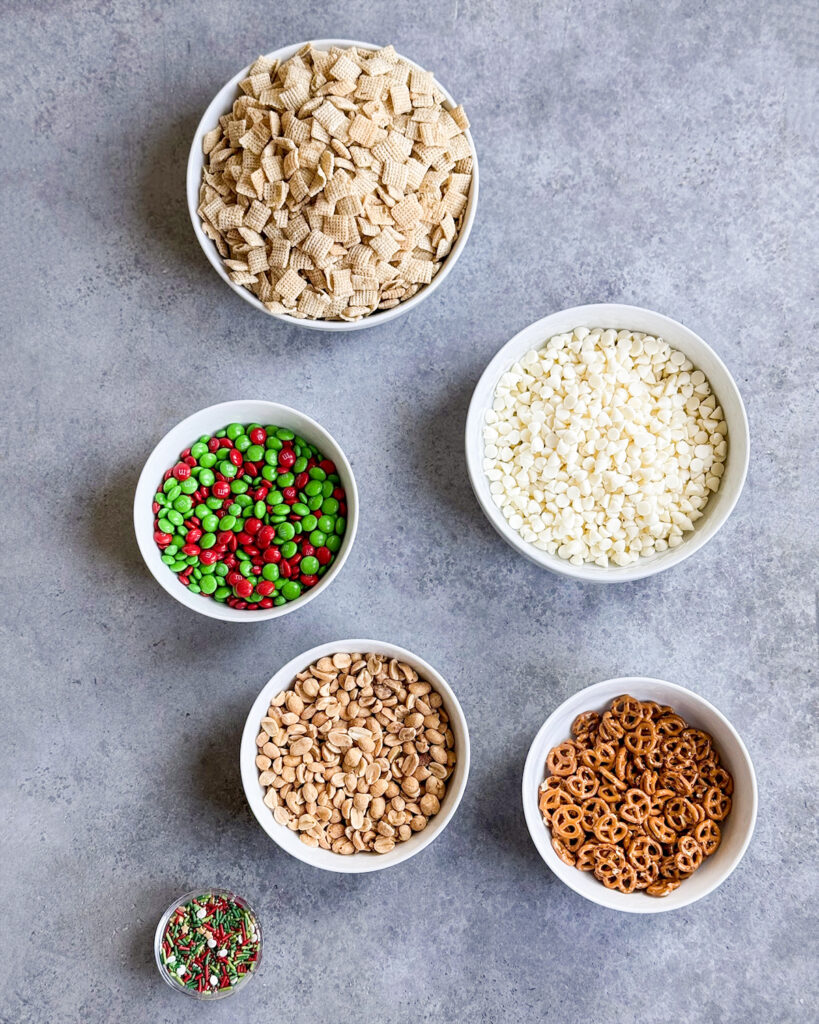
(222, 952)
(211, 943)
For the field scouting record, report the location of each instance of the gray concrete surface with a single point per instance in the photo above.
(659, 154)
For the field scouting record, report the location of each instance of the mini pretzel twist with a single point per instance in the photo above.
(689, 855)
(610, 727)
(701, 742)
(642, 738)
(708, 835)
(551, 799)
(627, 710)
(586, 857)
(562, 760)
(658, 830)
(608, 871)
(583, 784)
(627, 882)
(636, 806)
(566, 822)
(679, 813)
(719, 778)
(717, 804)
(643, 851)
(648, 875)
(585, 722)
(609, 829)
(670, 725)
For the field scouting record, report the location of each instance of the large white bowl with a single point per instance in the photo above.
(620, 317)
(208, 421)
(357, 862)
(221, 104)
(737, 828)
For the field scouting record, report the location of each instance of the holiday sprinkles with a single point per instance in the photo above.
(252, 516)
(210, 943)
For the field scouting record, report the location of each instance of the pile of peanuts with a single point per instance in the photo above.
(356, 756)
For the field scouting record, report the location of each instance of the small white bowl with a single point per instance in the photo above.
(620, 317)
(356, 863)
(208, 421)
(222, 104)
(737, 828)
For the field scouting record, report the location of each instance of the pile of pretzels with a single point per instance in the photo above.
(636, 796)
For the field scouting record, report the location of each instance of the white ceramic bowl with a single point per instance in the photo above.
(620, 317)
(737, 828)
(207, 421)
(221, 104)
(357, 863)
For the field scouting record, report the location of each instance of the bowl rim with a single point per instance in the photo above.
(739, 447)
(357, 863)
(540, 836)
(142, 512)
(193, 176)
(186, 897)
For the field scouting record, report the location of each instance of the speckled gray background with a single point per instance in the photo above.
(659, 154)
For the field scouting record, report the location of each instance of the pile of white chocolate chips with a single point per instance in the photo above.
(604, 446)
(338, 183)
